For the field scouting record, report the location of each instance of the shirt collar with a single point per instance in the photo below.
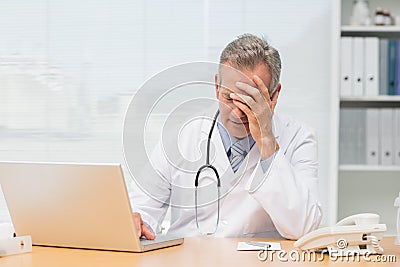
(228, 139)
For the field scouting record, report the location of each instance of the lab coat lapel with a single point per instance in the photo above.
(220, 160)
(280, 136)
(218, 157)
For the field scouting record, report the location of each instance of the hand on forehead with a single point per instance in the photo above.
(229, 76)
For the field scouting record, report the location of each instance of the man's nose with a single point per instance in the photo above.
(239, 113)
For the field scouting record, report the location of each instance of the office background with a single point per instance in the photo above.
(68, 69)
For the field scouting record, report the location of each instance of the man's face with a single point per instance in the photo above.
(234, 120)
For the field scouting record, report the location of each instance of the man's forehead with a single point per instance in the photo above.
(231, 75)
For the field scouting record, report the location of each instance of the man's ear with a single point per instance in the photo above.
(274, 98)
(216, 85)
(275, 95)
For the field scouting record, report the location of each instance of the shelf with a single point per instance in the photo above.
(381, 101)
(368, 31)
(388, 168)
(359, 187)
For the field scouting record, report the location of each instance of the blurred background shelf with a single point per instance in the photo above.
(367, 168)
(391, 101)
(371, 31)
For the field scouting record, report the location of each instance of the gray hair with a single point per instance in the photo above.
(247, 51)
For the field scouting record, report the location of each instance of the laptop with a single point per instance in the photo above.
(73, 205)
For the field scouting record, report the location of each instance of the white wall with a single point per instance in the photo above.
(90, 56)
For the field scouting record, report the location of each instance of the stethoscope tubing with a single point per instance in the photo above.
(208, 166)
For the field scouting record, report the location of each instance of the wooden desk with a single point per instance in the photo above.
(194, 252)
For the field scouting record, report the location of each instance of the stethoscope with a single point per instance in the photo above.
(211, 167)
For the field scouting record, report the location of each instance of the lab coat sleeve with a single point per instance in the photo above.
(267, 162)
(151, 198)
(288, 191)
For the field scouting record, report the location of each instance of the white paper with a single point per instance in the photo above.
(249, 246)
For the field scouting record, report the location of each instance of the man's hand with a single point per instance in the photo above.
(141, 228)
(259, 108)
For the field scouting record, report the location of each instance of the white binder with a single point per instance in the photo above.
(358, 66)
(347, 131)
(383, 68)
(372, 136)
(396, 138)
(386, 136)
(371, 64)
(346, 66)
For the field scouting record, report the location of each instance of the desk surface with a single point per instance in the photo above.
(194, 252)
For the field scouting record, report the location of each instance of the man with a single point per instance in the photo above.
(269, 163)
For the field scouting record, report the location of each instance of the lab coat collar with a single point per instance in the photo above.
(279, 129)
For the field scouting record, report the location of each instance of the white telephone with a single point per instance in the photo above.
(357, 234)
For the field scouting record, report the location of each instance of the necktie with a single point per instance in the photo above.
(238, 154)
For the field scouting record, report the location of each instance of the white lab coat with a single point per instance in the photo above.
(280, 202)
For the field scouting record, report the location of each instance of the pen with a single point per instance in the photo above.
(258, 244)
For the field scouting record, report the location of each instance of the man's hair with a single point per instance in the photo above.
(248, 51)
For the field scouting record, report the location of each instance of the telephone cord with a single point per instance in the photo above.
(375, 243)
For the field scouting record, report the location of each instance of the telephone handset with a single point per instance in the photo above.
(356, 234)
